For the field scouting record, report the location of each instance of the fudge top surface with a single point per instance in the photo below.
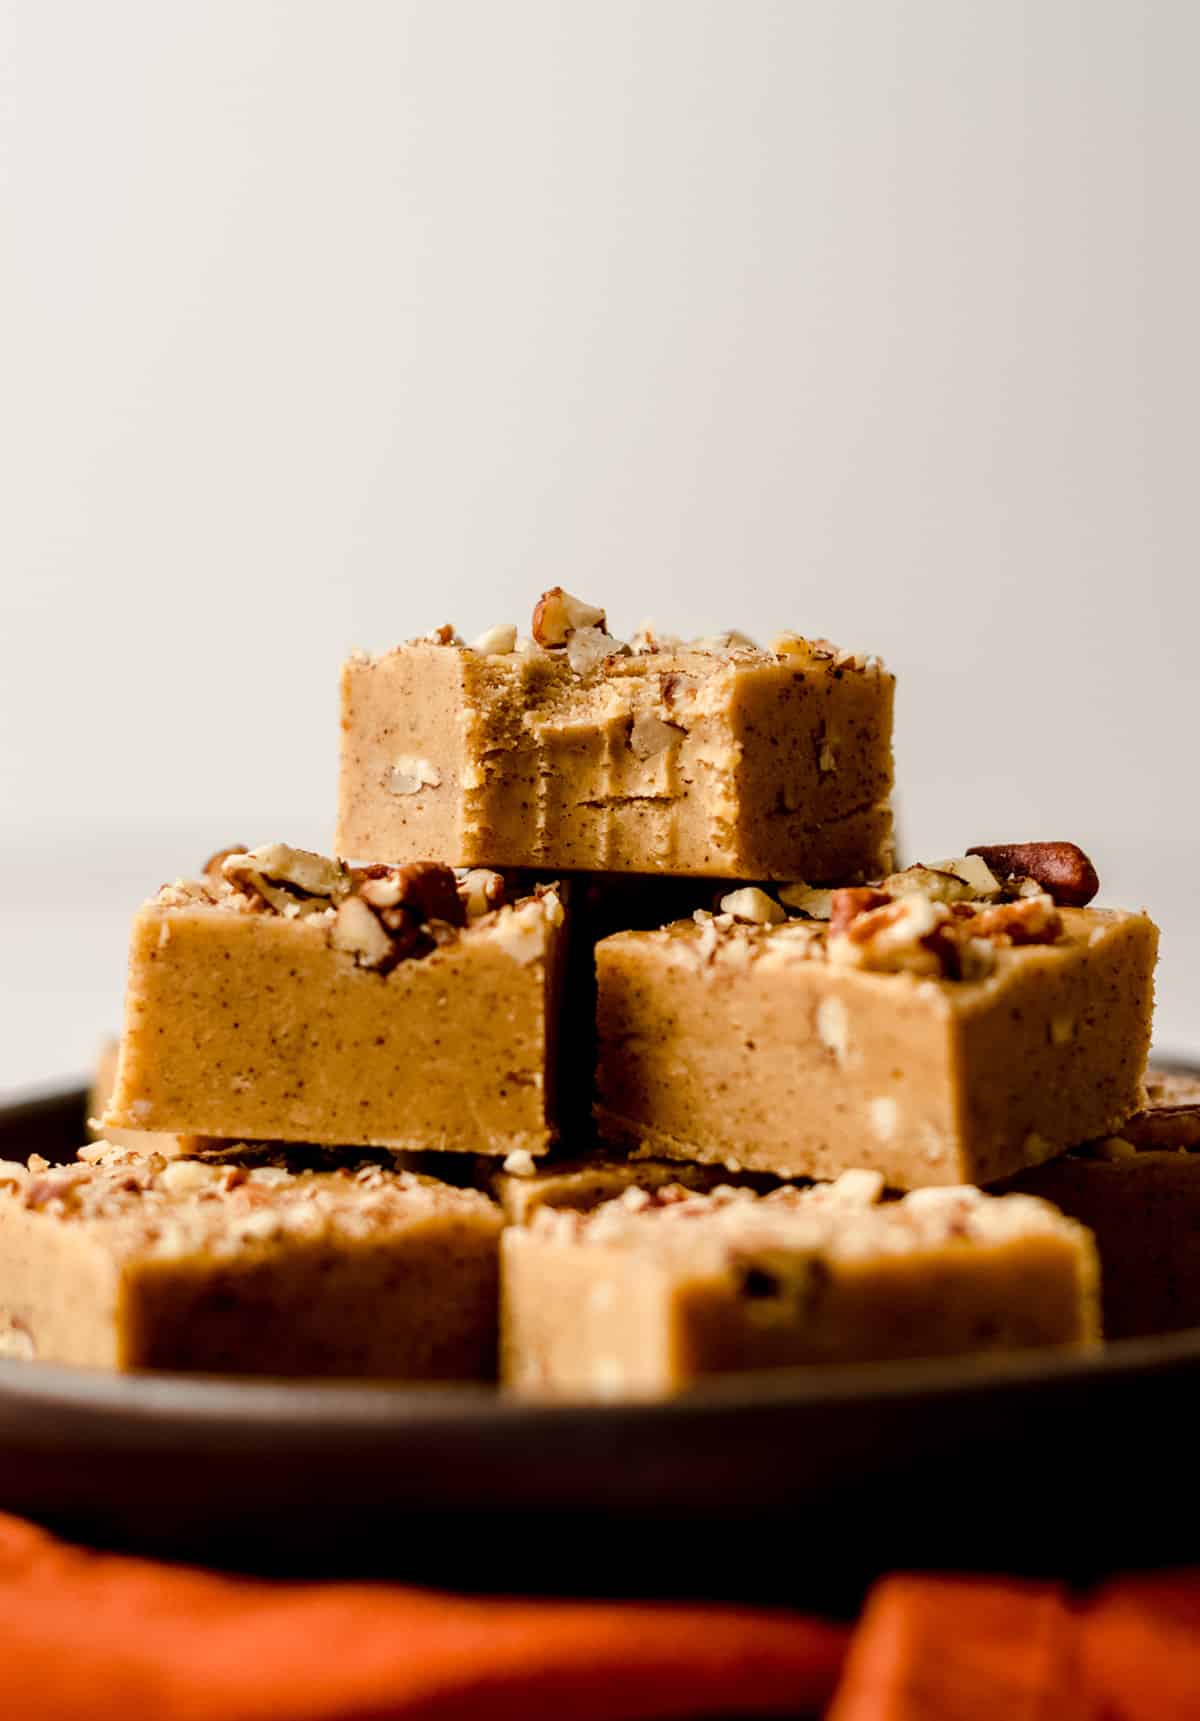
(569, 638)
(954, 920)
(220, 1202)
(843, 1221)
(379, 915)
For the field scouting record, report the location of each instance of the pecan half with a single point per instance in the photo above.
(1062, 869)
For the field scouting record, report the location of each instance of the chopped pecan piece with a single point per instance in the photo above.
(432, 891)
(426, 888)
(753, 906)
(407, 931)
(211, 869)
(845, 906)
(481, 891)
(1034, 920)
(289, 879)
(358, 931)
(557, 614)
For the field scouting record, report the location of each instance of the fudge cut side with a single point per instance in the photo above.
(404, 720)
(813, 741)
(246, 1263)
(941, 1045)
(712, 759)
(1139, 1193)
(741, 1050)
(650, 1293)
(365, 1017)
(1063, 1045)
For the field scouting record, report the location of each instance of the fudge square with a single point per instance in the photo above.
(1139, 1193)
(936, 1041)
(573, 750)
(285, 997)
(653, 1291)
(247, 1263)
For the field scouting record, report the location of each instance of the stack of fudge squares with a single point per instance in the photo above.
(615, 1054)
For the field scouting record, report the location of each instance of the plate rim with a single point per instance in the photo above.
(166, 1399)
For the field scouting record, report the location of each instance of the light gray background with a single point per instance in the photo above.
(322, 323)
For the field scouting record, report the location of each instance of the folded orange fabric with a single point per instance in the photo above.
(88, 1635)
(93, 1635)
(974, 1649)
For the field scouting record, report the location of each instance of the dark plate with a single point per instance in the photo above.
(797, 1485)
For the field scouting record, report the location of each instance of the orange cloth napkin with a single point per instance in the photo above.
(95, 1635)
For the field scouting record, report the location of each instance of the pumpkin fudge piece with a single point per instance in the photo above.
(1139, 1192)
(945, 1027)
(247, 1263)
(286, 997)
(572, 750)
(650, 1292)
(523, 1188)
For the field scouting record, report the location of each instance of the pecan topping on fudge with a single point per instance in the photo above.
(575, 631)
(378, 914)
(944, 920)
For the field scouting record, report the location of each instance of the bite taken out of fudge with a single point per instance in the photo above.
(1139, 1193)
(945, 1026)
(245, 1261)
(651, 1292)
(286, 997)
(576, 751)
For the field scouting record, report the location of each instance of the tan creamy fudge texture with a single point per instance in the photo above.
(255, 1024)
(729, 762)
(647, 1294)
(748, 1045)
(1139, 1193)
(130, 1261)
(141, 1140)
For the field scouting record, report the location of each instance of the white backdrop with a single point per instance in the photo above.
(321, 324)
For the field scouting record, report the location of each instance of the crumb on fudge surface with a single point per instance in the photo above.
(219, 1202)
(844, 1220)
